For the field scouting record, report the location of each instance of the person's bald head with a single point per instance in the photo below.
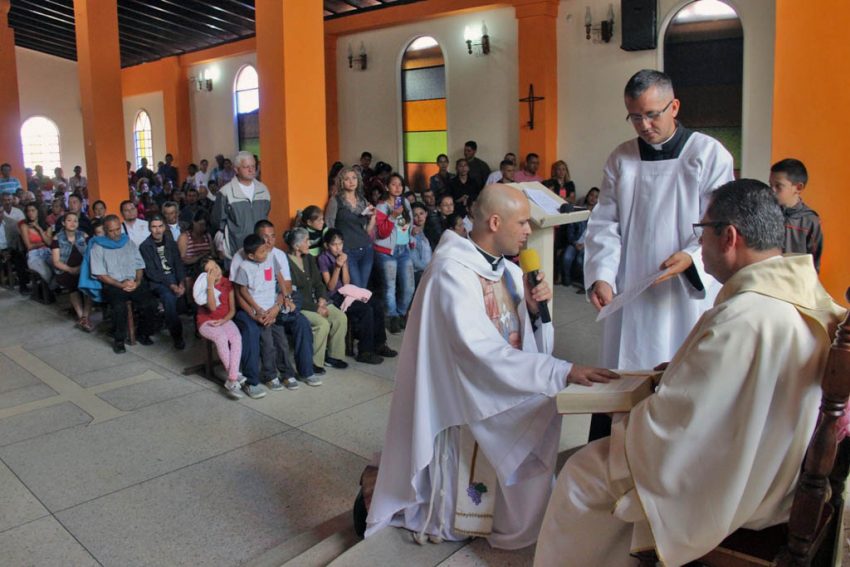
(501, 219)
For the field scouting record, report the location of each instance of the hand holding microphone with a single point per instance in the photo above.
(538, 291)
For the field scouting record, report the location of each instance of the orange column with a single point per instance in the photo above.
(293, 134)
(538, 65)
(10, 110)
(99, 68)
(332, 113)
(810, 77)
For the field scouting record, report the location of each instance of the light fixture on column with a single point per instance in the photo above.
(480, 40)
(203, 81)
(602, 32)
(361, 61)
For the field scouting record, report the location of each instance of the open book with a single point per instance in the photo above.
(614, 396)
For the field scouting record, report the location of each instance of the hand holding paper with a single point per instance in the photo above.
(629, 295)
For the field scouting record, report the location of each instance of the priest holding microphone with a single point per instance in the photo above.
(473, 433)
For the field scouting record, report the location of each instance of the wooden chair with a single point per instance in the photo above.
(206, 368)
(813, 534)
(41, 291)
(131, 324)
(8, 277)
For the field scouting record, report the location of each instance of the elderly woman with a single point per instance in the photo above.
(68, 249)
(354, 217)
(328, 323)
(36, 238)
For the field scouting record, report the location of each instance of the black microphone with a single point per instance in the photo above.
(529, 261)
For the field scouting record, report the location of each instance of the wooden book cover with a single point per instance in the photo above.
(615, 396)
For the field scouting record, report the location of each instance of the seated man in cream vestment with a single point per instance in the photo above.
(720, 444)
(473, 434)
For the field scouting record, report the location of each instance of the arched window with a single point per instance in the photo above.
(143, 139)
(247, 92)
(423, 92)
(704, 55)
(40, 141)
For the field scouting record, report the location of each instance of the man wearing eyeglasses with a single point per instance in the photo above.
(654, 187)
(720, 443)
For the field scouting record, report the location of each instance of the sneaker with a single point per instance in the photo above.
(369, 358)
(145, 340)
(118, 347)
(290, 383)
(313, 380)
(254, 391)
(386, 351)
(233, 390)
(274, 385)
(335, 363)
(241, 378)
(318, 370)
(179, 343)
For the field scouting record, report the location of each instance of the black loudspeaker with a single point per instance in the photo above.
(640, 24)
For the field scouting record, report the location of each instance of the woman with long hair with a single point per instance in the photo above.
(392, 246)
(560, 182)
(350, 213)
(36, 237)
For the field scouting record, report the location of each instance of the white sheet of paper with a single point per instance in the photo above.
(622, 299)
(544, 200)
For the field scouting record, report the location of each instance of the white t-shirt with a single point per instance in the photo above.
(259, 279)
(248, 190)
(494, 177)
(281, 261)
(138, 231)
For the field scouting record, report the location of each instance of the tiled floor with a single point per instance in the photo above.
(121, 460)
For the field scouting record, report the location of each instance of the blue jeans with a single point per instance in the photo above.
(250, 361)
(360, 262)
(169, 303)
(397, 271)
(298, 327)
(570, 258)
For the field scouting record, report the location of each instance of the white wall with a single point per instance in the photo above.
(213, 113)
(153, 105)
(49, 86)
(481, 92)
(591, 78)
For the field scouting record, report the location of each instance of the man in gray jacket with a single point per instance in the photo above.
(240, 204)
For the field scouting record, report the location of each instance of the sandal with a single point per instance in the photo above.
(85, 324)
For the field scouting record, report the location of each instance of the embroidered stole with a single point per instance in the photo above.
(476, 480)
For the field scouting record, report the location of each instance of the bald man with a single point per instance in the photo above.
(473, 434)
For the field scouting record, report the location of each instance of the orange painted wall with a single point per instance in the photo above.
(811, 118)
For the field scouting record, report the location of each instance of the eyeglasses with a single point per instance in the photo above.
(700, 226)
(651, 116)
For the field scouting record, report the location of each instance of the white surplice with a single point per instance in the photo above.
(457, 371)
(644, 215)
(719, 445)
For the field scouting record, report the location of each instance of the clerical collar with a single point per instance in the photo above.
(670, 149)
(492, 260)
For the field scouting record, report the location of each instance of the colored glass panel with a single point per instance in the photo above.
(424, 147)
(424, 84)
(418, 175)
(425, 115)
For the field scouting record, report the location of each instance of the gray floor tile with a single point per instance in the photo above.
(144, 394)
(19, 504)
(76, 465)
(25, 394)
(132, 367)
(392, 546)
(340, 390)
(43, 543)
(13, 376)
(479, 554)
(40, 422)
(81, 355)
(359, 429)
(224, 511)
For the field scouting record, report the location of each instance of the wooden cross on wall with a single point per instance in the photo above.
(531, 99)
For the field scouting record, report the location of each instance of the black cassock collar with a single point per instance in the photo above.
(671, 149)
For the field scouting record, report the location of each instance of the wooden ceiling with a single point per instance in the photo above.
(153, 29)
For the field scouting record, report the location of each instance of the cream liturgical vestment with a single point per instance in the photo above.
(719, 445)
(648, 201)
(471, 373)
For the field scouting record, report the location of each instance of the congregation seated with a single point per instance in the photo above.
(192, 206)
(75, 205)
(496, 176)
(57, 209)
(572, 258)
(98, 210)
(115, 261)
(165, 274)
(329, 325)
(529, 170)
(719, 445)
(36, 237)
(367, 314)
(68, 248)
(560, 182)
(134, 227)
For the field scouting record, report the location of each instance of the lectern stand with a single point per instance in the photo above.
(543, 223)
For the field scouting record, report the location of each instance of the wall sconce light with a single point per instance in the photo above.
(204, 80)
(360, 61)
(602, 32)
(480, 41)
